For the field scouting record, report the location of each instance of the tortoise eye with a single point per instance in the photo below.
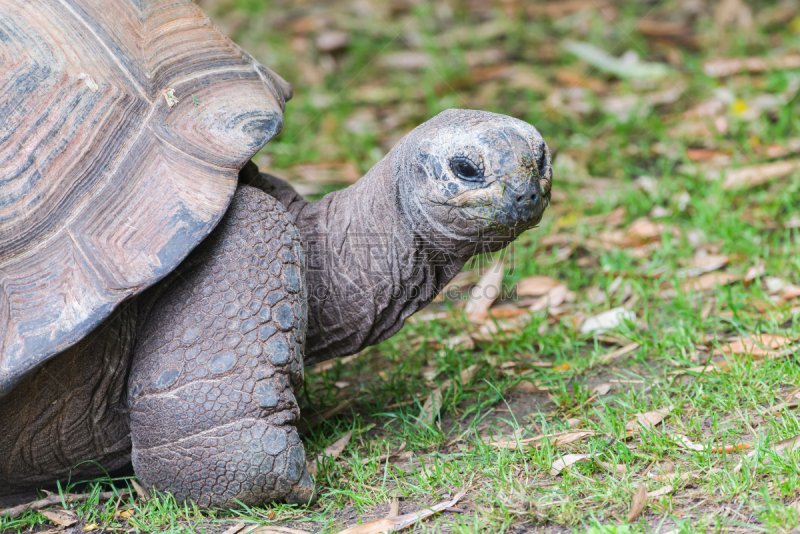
(466, 169)
(540, 163)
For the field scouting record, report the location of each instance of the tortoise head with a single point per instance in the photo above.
(473, 177)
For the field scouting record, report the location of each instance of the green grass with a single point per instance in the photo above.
(512, 490)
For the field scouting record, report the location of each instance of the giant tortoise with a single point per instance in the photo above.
(159, 296)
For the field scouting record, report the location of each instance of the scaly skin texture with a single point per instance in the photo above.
(220, 356)
(218, 349)
(383, 248)
(70, 410)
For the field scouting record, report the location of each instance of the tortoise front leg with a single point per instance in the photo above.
(215, 369)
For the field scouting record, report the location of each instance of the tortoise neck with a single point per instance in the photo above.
(366, 269)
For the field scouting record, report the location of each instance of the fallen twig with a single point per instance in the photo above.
(16, 511)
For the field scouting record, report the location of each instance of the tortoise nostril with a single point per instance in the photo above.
(520, 197)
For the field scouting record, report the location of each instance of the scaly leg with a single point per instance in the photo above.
(216, 366)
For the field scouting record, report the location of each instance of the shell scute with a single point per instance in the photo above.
(105, 183)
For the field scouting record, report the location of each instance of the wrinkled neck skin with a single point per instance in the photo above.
(367, 268)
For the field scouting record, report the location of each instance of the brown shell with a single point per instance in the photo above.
(123, 125)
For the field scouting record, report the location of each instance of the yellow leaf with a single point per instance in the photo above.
(563, 367)
(90, 527)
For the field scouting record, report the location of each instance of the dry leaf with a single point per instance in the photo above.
(235, 528)
(512, 442)
(756, 175)
(646, 420)
(434, 401)
(562, 367)
(125, 514)
(561, 8)
(731, 448)
(431, 407)
(338, 446)
(757, 344)
(530, 387)
(783, 447)
(566, 461)
(573, 78)
(608, 320)
(788, 445)
(463, 342)
(306, 424)
(613, 355)
(401, 521)
(789, 292)
(645, 230)
(781, 406)
(536, 286)
(706, 155)
(660, 492)
(718, 68)
(616, 217)
(572, 436)
(601, 389)
(331, 41)
(714, 367)
(484, 293)
(507, 311)
(65, 518)
(384, 457)
(140, 491)
(90, 527)
(555, 297)
(618, 468)
(373, 527)
(754, 272)
(558, 438)
(394, 509)
(708, 281)
(50, 500)
(638, 503)
(330, 364)
(686, 442)
(272, 529)
(333, 451)
(466, 375)
(704, 264)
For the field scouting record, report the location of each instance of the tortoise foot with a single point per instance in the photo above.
(248, 462)
(211, 389)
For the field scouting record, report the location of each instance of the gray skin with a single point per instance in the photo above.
(194, 380)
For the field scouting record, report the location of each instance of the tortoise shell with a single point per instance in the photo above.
(123, 126)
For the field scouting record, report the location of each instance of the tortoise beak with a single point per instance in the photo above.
(520, 205)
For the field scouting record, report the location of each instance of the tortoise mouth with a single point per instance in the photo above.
(506, 205)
